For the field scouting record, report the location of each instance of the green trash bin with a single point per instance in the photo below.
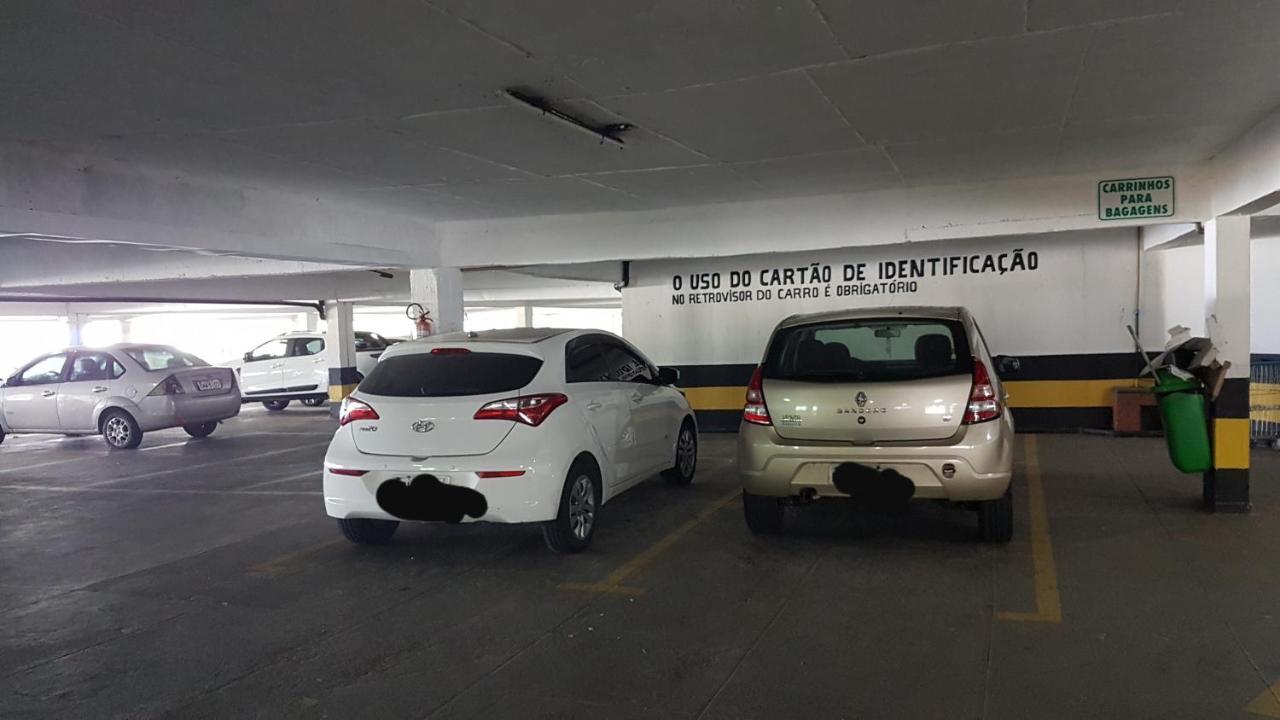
(1186, 431)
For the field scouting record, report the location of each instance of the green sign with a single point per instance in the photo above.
(1135, 198)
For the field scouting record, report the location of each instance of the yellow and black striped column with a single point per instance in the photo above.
(342, 382)
(1226, 485)
(1227, 306)
(340, 353)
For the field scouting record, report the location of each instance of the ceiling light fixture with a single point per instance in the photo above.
(610, 133)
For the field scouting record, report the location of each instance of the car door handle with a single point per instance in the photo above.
(636, 397)
(48, 393)
(594, 406)
(277, 365)
(100, 389)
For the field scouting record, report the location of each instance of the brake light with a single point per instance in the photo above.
(529, 409)
(450, 351)
(168, 386)
(346, 471)
(499, 473)
(756, 412)
(983, 404)
(353, 409)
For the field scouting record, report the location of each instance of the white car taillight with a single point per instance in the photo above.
(529, 409)
(349, 472)
(756, 412)
(354, 409)
(983, 403)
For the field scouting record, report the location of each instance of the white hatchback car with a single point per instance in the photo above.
(509, 426)
(119, 391)
(292, 366)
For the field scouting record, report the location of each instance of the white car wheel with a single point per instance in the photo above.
(686, 459)
(575, 523)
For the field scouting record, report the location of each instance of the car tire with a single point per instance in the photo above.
(1, 436)
(312, 402)
(995, 518)
(120, 431)
(575, 522)
(275, 405)
(201, 430)
(368, 532)
(763, 513)
(686, 460)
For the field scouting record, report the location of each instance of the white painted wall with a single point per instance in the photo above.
(1078, 300)
(1173, 294)
(1265, 310)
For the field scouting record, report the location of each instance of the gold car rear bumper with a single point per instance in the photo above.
(975, 465)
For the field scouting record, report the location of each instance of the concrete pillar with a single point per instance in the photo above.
(528, 316)
(439, 290)
(339, 352)
(1226, 298)
(75, 327)
(312, 320)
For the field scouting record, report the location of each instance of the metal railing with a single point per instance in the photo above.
(1264, 402)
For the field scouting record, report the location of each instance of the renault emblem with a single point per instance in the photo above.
(423, 426)
(861, 399)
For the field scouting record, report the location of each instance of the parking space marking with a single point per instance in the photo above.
(154, 491)
(201, 466)
(613, 583)
(7, 470)
(276, 565)
(313, 472)
(1048, 600)
(162, 447)
(1266, 704)
(96, 456)
(321, 433)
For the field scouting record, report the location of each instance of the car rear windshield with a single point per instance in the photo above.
(160, 357)
(450, 375)
(869, 350)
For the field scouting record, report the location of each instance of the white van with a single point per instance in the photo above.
(292, 366)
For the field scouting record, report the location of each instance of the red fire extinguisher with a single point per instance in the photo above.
(421, 318)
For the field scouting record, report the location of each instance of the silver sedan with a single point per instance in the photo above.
(119, 391)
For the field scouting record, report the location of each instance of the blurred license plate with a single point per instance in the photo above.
(214, 384)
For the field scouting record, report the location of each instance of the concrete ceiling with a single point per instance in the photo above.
(394, 103)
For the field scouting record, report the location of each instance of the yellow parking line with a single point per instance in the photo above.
(276, 565)
(1267, 704)
(601, 587)
(1048, 600)
(613, 583)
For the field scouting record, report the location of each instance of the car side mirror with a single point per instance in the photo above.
(668, 376)
(1006, 365)
(11, 382)
(248, 357)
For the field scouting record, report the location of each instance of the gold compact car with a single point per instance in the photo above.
(879, 406)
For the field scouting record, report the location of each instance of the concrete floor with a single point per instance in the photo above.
(201, 579)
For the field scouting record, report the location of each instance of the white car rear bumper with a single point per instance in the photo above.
(531, 497)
